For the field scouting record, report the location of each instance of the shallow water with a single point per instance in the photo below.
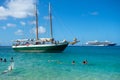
(103, 64)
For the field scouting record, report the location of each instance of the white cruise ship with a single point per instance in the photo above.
(100, 43)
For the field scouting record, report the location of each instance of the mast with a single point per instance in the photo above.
(50, 16)
(36, 16)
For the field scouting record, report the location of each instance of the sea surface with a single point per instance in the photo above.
(103, 64)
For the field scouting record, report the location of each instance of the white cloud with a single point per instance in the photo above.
(94, 13)
(19, 32)
(22, 23)
(8, 25)
(3, 13)
(46, 17)
(17, 9)
(4, 27)
(11, 25)
(41, 30)
(32, 22)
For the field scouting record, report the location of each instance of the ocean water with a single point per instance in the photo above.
(103, 64)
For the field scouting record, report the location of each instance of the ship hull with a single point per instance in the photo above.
(46, 48)
(112, 44)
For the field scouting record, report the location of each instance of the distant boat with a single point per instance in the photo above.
(40, 44)
(98, 43)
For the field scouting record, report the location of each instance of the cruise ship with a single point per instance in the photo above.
(100, 43)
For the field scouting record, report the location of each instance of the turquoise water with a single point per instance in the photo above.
(103, 64)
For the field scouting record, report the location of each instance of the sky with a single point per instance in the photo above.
(86, 20)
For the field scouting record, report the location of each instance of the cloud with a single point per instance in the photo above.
(46, 17)
(11, 25)
(17, 9)
(8, 25)
(41, 30)
(22, 23)
(4, 28)
(3, 12)
(94, 13)
(19, 32)
(32, 22)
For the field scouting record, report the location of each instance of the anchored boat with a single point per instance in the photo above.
(40, 44)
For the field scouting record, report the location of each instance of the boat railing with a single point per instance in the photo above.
(34, 42)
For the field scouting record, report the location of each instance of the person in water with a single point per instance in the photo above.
(1, 59)
(85, 62)
(5, 60)
(73, 62)
(11, 59)
(10, 68)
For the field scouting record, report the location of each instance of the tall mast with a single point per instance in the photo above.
(36, 16)
(50, 16)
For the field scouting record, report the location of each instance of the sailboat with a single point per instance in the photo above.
(40, 44)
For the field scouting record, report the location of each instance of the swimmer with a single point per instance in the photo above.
(11, 59)
(85, 62)
(73, 62)
(10, 68)
(1, 59)
(5, 60)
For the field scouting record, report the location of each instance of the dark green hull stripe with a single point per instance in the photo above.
(57, 48)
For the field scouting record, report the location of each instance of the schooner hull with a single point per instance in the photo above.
(41, 48)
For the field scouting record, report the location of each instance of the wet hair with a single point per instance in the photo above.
(85, 62)
(5, 60)
(1, 59)
(73, 62)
